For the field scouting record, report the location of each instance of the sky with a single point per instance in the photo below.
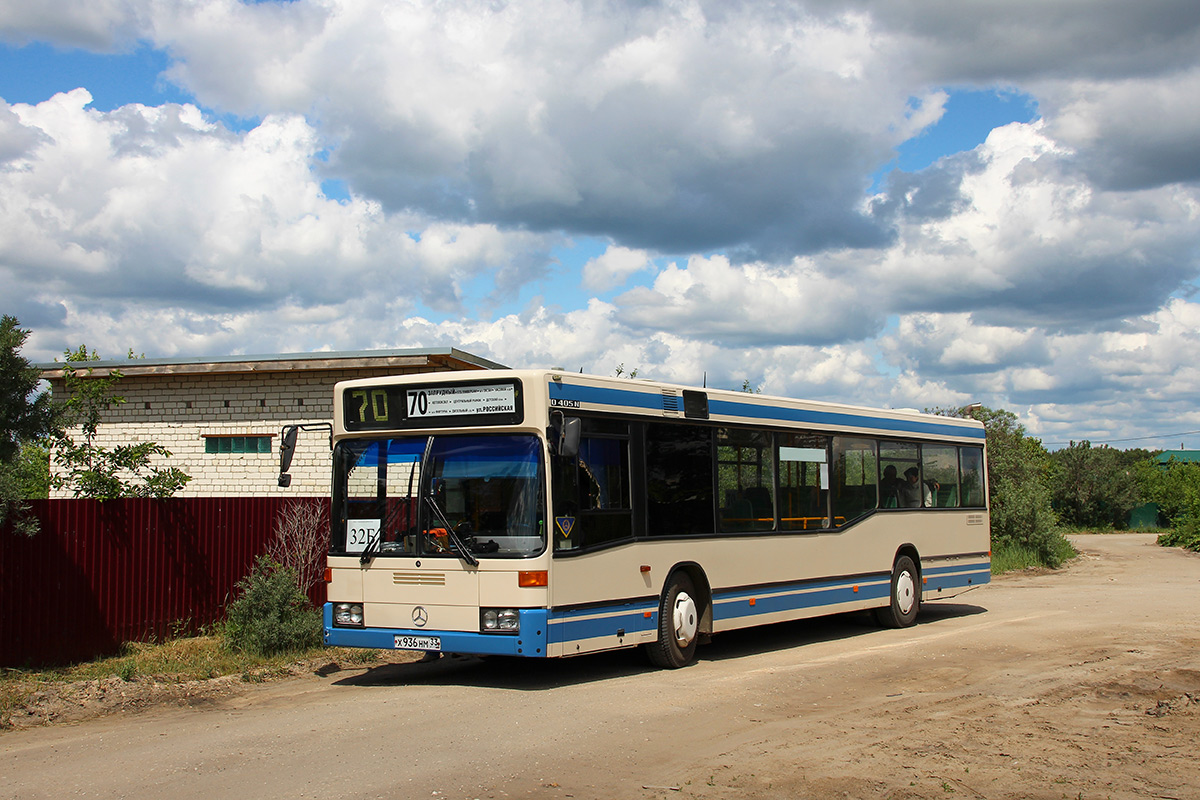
(912, 204)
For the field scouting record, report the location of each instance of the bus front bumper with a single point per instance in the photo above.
(530, 642)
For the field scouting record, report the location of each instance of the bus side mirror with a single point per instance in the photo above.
(568, 442)
(287, 448)
(564, 433)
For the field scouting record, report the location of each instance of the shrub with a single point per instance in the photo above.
(270, 615)
(1175, 487)
(301, 541)
(1186, 534)
(1023, 520)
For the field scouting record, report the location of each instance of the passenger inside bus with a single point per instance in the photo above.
(889, 488)
(913, 493)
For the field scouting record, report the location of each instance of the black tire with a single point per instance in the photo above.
(678, 625)
(905, 603)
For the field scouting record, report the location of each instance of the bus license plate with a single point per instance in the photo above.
(419, 643)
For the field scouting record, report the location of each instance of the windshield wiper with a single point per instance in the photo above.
(369, 551)
(463, 552)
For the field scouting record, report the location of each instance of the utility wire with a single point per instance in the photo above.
(1130, 439)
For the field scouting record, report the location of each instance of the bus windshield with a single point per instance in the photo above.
(438, 496)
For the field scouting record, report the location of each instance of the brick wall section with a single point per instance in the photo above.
(177, 411)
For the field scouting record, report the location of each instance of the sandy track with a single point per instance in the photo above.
(1083, 683)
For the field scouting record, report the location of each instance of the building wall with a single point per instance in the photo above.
(180, 411)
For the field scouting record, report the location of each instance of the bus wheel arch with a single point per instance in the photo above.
(904, 594)
(684, 617)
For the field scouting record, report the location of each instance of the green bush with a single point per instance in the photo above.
(270, 615)
(1023, 520)
(1186, 534)
(1175, 487)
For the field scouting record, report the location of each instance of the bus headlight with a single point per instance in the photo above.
(348, 615)
(499, 620)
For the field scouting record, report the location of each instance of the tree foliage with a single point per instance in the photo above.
(102, 473)
(25, 414)
(1018, 493)
(27, 419)
(1093, 487)
(1175, 487)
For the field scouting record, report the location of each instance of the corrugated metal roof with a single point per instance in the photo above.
(282, 362)
(1186, 456)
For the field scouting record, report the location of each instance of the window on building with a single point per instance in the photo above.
(237, 444)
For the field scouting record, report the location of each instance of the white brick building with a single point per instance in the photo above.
(221, 417)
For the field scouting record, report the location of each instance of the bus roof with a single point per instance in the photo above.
(570, 391)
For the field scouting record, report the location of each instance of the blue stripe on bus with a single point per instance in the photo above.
(654, 401)
(839, 419)
(592, 623)
(540, 627)
(957, 576)
(793, 597)
(530, 642)
(598, 622)
(966, 566)
(605, 396)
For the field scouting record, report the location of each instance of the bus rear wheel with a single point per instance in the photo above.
(905, 596)
(678, 625)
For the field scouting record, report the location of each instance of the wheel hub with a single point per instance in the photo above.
(685, 619)
(906, 592)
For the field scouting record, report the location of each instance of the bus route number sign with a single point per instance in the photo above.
(438, 406)
(461, 401)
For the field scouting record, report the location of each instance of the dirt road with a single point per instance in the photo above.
(1084, 683)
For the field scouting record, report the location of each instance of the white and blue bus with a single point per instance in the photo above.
(546, 513)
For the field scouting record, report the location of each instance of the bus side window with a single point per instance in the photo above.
(745, 480)
(679, 479)
(970, 460)
(854, 478)
(940, 470)
(897, 489)
(803, 481)
(592, 497)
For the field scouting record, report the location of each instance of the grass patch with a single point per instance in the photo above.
(198, 658)
(1009, 556)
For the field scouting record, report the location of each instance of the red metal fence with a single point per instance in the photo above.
(103, 573)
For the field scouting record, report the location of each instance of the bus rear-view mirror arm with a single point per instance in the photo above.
(287, 446)
(564, 434)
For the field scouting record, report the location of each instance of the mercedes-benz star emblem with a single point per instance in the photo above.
(420, 616)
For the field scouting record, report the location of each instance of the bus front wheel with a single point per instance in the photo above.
(678, 625)
(905, 596)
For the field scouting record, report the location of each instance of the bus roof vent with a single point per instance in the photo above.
(671, 403)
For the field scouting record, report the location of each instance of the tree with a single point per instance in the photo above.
(621, 372)
(1175, 487)
(1092, 486)
(90, 470)
(1018, 494)
(27, 417)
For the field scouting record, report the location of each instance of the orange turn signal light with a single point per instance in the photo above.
(533, 577)
(329, 575)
